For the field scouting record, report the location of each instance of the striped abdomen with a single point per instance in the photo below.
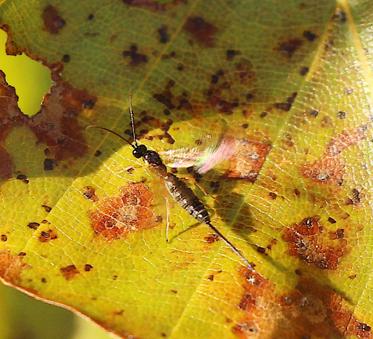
(186, 198)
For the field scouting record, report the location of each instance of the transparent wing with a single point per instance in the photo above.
(209, 150)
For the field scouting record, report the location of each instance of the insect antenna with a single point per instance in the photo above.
(112, 132)
(232, 247)
(132, 117)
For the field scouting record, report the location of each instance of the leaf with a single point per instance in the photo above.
(81, 222)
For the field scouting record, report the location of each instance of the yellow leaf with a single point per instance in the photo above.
(84, 220)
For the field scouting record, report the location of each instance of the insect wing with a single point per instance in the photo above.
(210, 151)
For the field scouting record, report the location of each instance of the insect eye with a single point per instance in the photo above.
(139, 151)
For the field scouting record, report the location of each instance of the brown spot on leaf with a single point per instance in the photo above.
(130, 212)
(211, 238)
(4, 237)
(46, 208)
(201, 30)
(289, 47)
(303, 70)
(309, 310)
(23, 178)
(248, 159)
(88, 267)
(307, 241)
(310, 36)
(227, 86)
(11, 266)
(355, 197)
(57, 123)
(48, 235)
(69, 272)
(90, 193)
(33, 225)
(328, 170)
(48, 164)
(135, 57)
(53, 22)
(164, 37)
(346, 139)
(231, 53)
(286, 106)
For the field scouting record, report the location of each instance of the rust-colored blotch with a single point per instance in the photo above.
(307, 241)
(69, 272)
(53, 22)
(308, 310)
(115, 217)
(328, 170)
(201, 30)
(11, 266)
(248, 159)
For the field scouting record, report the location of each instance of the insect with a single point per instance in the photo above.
(176, 187)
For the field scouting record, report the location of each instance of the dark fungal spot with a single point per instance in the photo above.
(88, 267)
(314, 113)
(43, 280)
(97, 153)
(136, 58)
(163, 34)
(166, 112)
(296, 192)
(211, 277)
(46, 208)
(231, 53)
(286, 106)
(310, 36)
(341, 115)
(90, 17)
(53, 22)
(4, 237)
(352, 276)
(244, 126)
(49, 164)
(201, 30)
(289, 47)
(211, 238)
(69, 272)
(33, 225)
(249, 96)
(261, 250)
(272, 195)
(23, 178)
(66, 58)
(48, 235)
(355, 197)
(90, 193)
(308, 242)
(303, 70)
(174, 291)
(331, 220)
(263, 114)
(89, 103)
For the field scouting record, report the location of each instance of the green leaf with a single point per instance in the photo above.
(293, 81)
